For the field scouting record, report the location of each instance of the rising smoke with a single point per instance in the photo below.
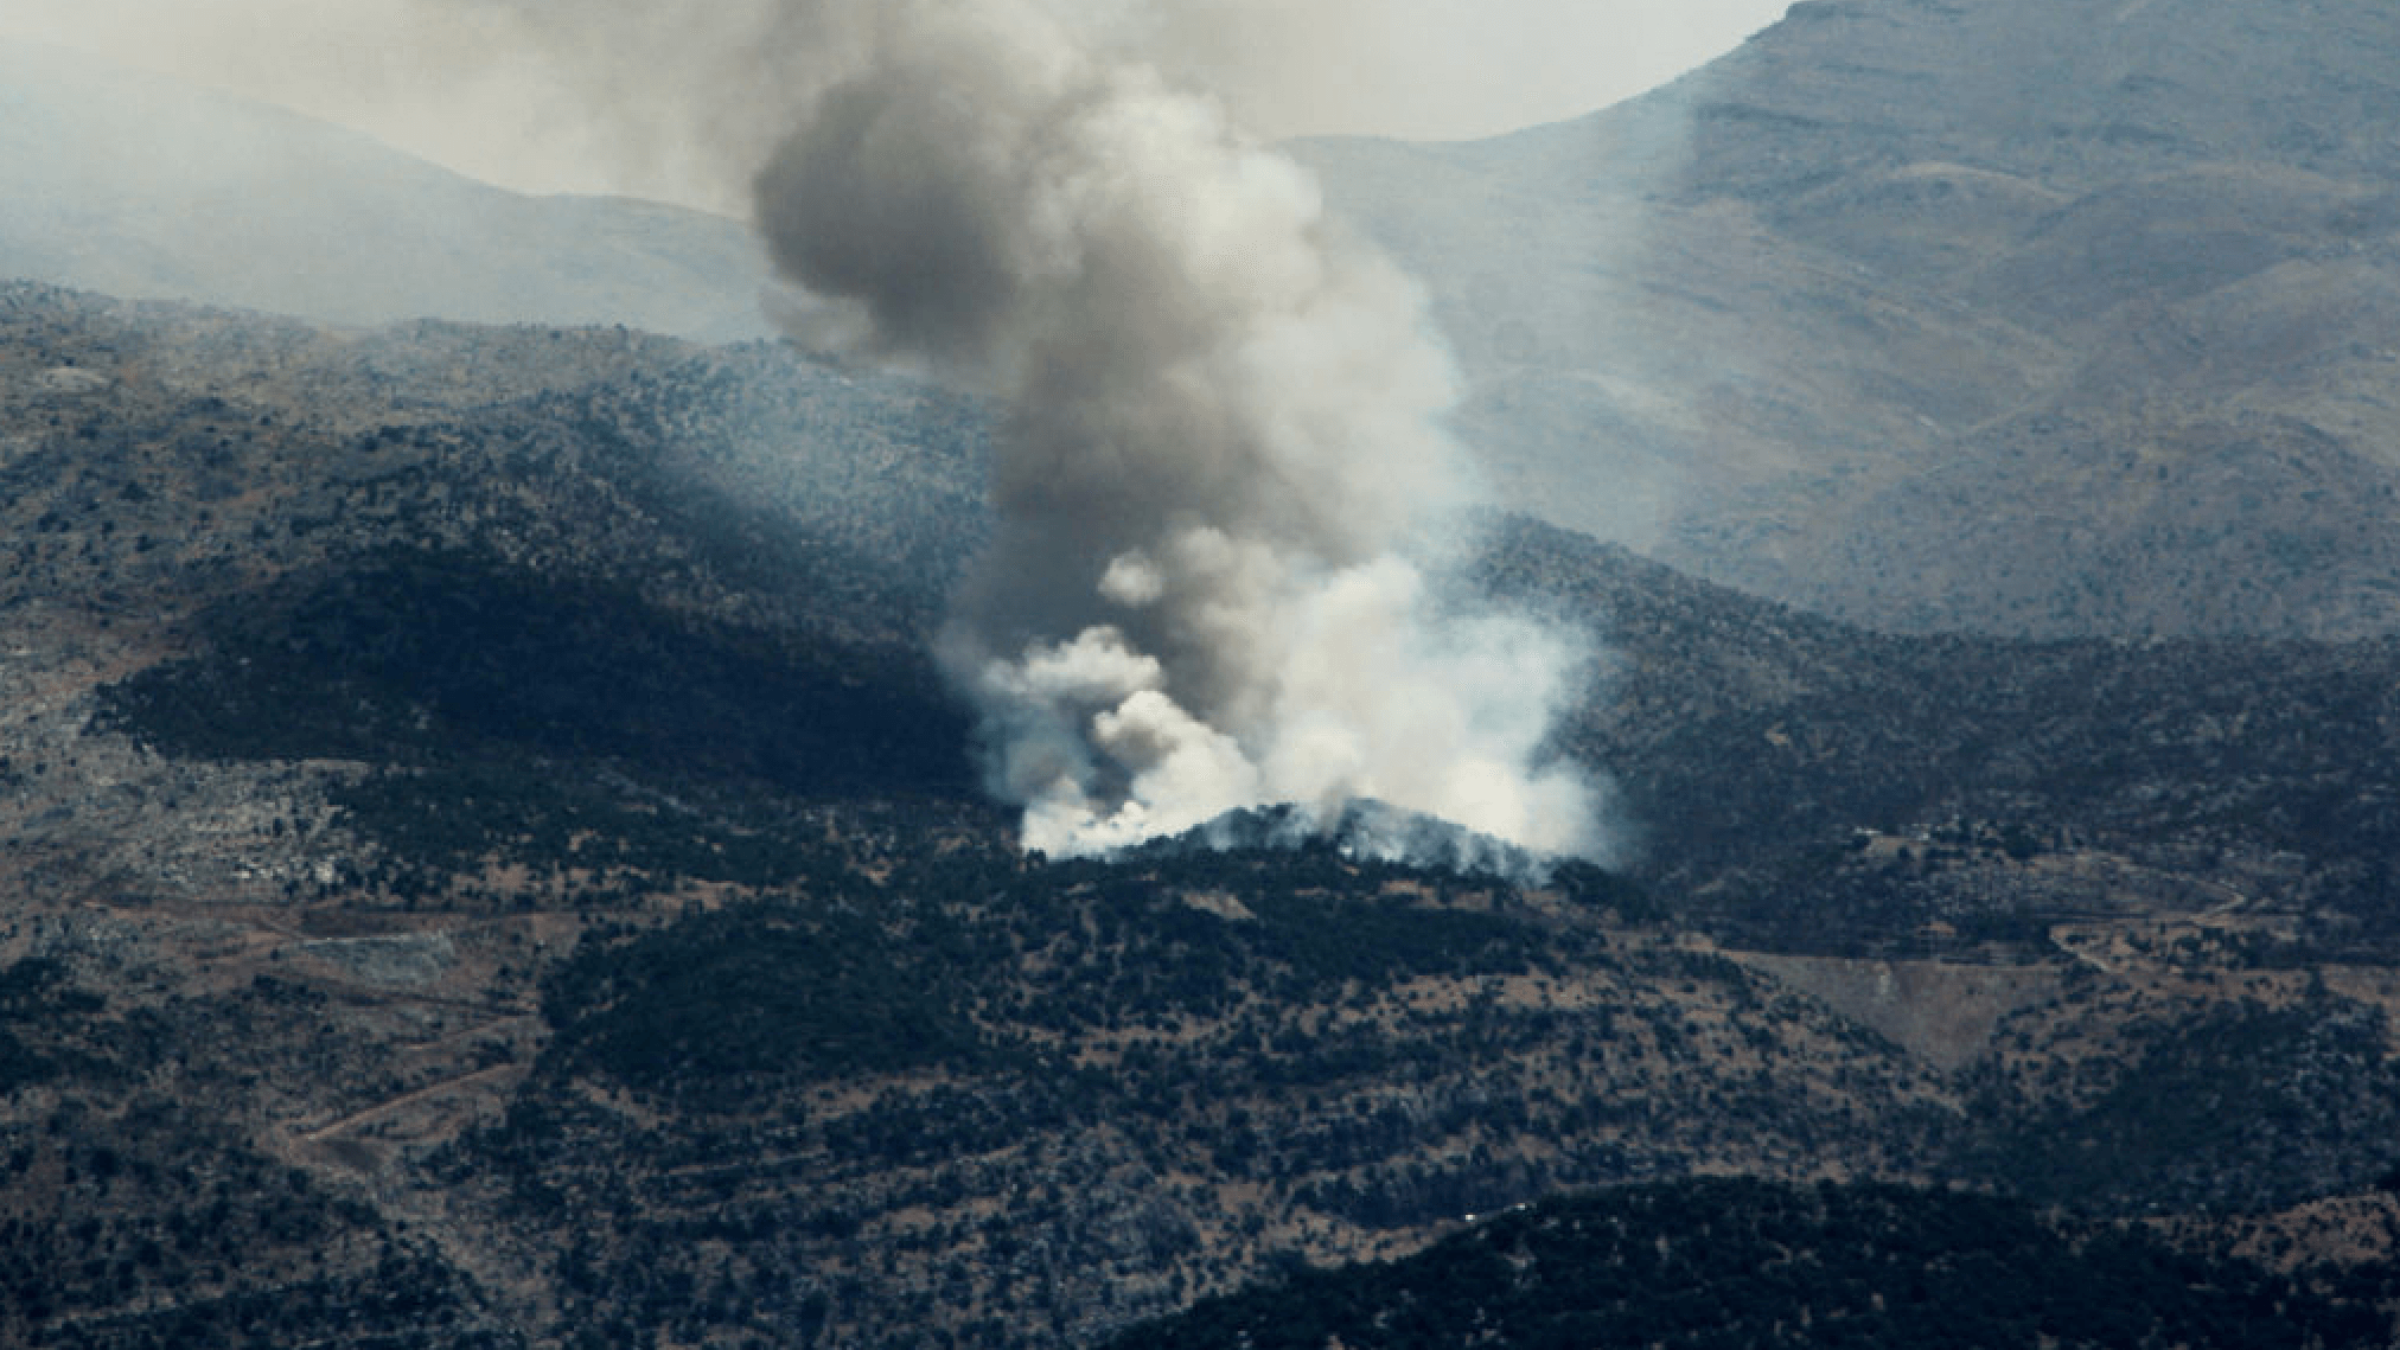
(1221, 481)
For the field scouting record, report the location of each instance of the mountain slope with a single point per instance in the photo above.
(2066, 318)
(2051, 318)
(492, 778)
(138, 186)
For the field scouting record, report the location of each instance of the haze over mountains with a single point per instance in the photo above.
(2063, 317)
(136, 185)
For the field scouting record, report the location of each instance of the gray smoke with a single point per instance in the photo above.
(1221, 465)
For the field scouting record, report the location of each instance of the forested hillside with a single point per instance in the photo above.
(489, 860)
(1739, 1263)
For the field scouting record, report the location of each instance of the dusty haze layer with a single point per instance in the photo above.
(632, 99)
(1220, 464)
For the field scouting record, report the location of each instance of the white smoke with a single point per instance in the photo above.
(1221, 466)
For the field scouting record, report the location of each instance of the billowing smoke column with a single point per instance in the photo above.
(1220, 459)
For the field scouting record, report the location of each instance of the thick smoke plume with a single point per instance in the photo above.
(1221, 463)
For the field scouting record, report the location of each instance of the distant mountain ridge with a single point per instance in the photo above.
(2057, 317)
(488, 858)
(136, 185)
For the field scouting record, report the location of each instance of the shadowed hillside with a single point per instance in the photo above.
(492, 778)
(1721, 1263)
(2063, 318)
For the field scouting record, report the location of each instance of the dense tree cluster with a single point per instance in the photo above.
(2244, 1107)
(1727, 1264)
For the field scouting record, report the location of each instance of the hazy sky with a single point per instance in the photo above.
(450, 80)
